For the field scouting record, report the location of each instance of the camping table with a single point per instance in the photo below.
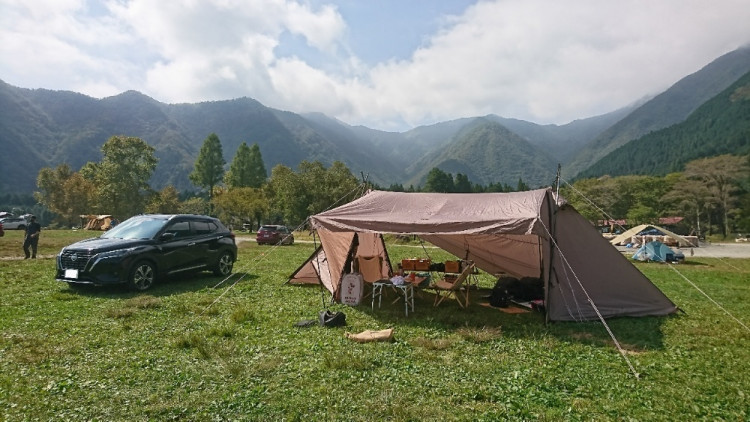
(407, 291)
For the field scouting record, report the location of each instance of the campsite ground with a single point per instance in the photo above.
(202, 348)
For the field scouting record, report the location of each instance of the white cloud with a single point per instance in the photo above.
(532, 59)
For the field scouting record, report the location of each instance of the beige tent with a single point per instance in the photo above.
(526, 234)
(97, 222)
(669, 238)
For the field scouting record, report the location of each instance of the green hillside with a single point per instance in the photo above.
(487, 152)
(720, 126)
(666, 109)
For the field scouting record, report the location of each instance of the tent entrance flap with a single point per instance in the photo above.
(336, 256)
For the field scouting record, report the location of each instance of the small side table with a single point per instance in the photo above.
(406, 290)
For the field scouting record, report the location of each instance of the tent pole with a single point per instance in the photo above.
(551, 210)
(317, 258)
(557, 183)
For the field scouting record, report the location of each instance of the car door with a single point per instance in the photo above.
(179, 248)
(205, 242)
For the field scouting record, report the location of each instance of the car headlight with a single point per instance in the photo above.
(118, 253)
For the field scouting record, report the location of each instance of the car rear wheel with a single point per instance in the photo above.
(224, 264)
(143, 276)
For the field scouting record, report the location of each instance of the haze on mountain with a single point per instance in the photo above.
(44, 128)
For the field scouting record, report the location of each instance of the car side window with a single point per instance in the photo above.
(181, 229)
(200, 227)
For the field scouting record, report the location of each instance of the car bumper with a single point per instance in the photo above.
(97, 272)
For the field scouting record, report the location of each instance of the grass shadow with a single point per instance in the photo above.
(167, 286)
(633, 334)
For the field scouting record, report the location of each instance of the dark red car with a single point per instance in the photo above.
(274, 235)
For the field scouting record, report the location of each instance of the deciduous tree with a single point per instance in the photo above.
(123, 174)
(166, 201)
(721, 175)
(241, 205)
(65, 192)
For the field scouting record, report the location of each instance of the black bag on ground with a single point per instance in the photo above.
(332, 319)
(503, 292)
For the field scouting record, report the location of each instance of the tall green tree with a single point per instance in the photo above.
(123, 174)
(462, 183)
(247, 168)
(209, 167)
(288, 193)
(258, 173)
(438, 181)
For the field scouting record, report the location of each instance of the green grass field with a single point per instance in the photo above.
(192, 350)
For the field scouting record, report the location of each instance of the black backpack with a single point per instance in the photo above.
(332, 319)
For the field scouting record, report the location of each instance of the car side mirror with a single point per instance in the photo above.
(166, 236)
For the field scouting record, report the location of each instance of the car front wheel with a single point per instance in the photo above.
(224, 265)
(143, 276)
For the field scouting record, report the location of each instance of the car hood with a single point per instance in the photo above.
(98, 244)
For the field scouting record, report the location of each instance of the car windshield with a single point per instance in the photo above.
(136, 228)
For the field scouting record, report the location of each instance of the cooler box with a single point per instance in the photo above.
(452, 267)
(409, 264)
(422, 265)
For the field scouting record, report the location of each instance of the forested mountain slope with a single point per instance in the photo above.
(720, 126)
(488, 152)
(672, 106)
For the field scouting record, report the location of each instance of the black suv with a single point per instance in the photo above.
(143, 248)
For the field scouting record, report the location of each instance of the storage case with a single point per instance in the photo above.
(409, 264)
(423, 265)
(452, 266)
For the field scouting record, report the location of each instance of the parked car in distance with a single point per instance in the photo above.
(13, 223)
(143, 249)
(274, 235)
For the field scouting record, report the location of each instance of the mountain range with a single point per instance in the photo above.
(43, 128)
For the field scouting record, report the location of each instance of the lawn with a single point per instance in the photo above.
(200, 348)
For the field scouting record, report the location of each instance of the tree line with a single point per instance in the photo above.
(713, 194)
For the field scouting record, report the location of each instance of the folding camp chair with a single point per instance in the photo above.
(454, 288)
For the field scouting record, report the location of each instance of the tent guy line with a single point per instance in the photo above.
(593, 305)
(709, 297)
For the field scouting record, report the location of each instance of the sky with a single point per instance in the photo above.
(386, 64)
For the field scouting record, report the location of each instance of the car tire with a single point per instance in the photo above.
(143, 276)
(224, 264)
(21, 227)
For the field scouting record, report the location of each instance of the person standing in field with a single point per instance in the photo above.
(31, 240)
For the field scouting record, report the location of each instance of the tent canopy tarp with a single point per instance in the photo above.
(519, 233)
(675, 238)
